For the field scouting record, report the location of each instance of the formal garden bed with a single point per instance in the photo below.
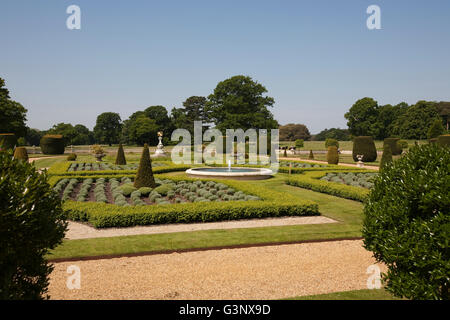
(352, 184)
(104, 166)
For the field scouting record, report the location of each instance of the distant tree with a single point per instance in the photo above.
(299, 143)
(160, 115)
(416, 121)
(436, 129)
(443, 109)
(64, 129)
(362, 118)
(12, 114)
(142, 130)
(239, 102)
(83, 136)
(108, 128)
(292, 132)
(333, 133)
(33, 136)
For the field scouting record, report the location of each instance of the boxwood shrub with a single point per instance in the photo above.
(52, 144)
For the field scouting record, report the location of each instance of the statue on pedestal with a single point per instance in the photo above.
(160, 148)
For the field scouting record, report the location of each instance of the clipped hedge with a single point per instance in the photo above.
(52, 144)
(21, 153)
(7, 141)
(61, 169)
(310, 180)
(332, 155)
(273, 204)
(395, 145)
(364, 146)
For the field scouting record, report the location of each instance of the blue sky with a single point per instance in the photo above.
(316, 58)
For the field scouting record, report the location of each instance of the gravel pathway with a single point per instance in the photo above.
(270, 272)
(78, 230)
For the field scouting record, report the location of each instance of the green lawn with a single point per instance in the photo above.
(348, 214)
(343, 145)
(376, 294)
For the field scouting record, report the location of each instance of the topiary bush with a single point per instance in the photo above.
(386, 158)
(403, 144)
(332, 155)
(407, 223)
(444, 140)
(299, 143)
(31, 224)
(311, 155)
(7, 141)
(394, 144)
(21, 153)
(72, 157)
(331, 142)
(52, 144)
(364, 146)
(120, 158)
(144, 176)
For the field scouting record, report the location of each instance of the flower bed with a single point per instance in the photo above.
(248, 200)
(356, 179)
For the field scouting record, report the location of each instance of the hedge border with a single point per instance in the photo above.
(60, 169)
(310, 180)
(273, 204)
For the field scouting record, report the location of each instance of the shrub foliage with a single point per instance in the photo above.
(144, 176)
(407, 223)
(31, 223)
(21, 153)
(387, 155)
(395, 145)
(120, 158)
(444, 140)
(332, 155)
(52, 144)
(7, 141)
(366, 147)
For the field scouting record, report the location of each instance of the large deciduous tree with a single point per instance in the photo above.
(239, 102)
(292, 132)
(108, 128)
(12, 114)
(362, 116)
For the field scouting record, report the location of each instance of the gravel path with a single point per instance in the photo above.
(270, 272)
(78, 230)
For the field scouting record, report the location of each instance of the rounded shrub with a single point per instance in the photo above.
(7, 141)
(444, 140)
(120, 158)
(127, 189)
(164, 189)
(407, 223)
(332, 155)
(31, 224)
(145, 190)
(364, 146)
(21, 153)
(394, 144)
(299, 143)
(72, 157)
(52, 144)
(331, 142)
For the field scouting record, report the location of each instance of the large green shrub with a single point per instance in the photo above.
(436, 129)
(144, 176)
(407, 223)
(386, 158)
(364, 146)
(31, 223)
(331, 142)
(21, 153)
(394, 144)
(7, 141)
(332, 155)
(444, 140)
(120, 158)
(299, 143)
(52, 144)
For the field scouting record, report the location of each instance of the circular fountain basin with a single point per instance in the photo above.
(235, 173)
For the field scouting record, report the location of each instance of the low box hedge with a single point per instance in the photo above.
(273, 204)
(310, 180)
(61, 169)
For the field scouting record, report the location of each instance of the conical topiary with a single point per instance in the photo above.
(21, 153)
(332, 155)
(120, 158)
(366, 147)
(144, 176)
(387, 155)
(311, 155)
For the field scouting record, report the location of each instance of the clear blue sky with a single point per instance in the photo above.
(316, 58)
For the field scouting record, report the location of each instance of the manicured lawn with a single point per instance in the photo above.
(343, 145)
(347, 212)
(376, 294)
